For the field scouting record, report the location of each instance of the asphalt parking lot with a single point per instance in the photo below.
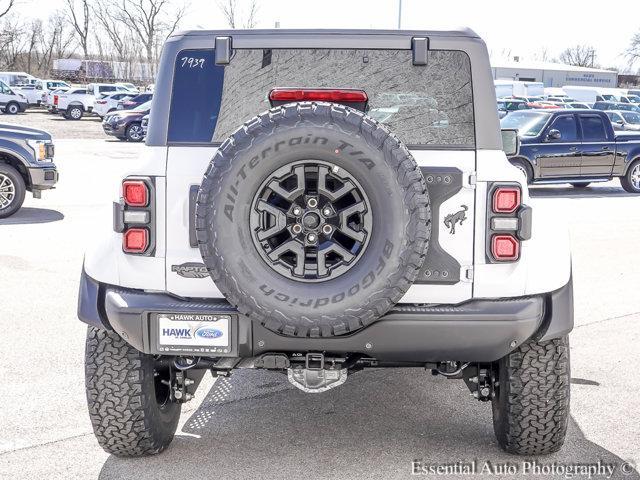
(254, 425)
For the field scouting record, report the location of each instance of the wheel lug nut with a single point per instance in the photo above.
(297, 211)
(312, 202)
(297, 228)
(311, 237)
(327, 229)
(326, 212)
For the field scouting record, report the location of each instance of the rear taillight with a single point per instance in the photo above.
(505, 248)
(506, 199)
(508, 223)
(135, 240)
(55, 99)
(319, 95)
(135, 193)
(134, 216)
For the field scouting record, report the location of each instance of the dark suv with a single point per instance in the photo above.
(126, 124)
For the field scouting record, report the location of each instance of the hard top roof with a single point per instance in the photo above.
(455, 32)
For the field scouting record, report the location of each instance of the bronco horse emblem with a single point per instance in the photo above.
(453, 218)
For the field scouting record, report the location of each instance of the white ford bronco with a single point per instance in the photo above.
(318, 202)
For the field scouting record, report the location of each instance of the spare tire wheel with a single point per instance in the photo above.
(313, 219)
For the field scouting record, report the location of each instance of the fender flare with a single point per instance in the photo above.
(628, 164)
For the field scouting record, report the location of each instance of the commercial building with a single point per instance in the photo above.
(554, 74)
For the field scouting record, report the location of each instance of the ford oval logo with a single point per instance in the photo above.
(208, 332)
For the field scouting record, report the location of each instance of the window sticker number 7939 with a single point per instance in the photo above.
(192, 62)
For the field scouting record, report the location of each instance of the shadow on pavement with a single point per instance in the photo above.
(571, 192)
(254, 425)
(28, 215)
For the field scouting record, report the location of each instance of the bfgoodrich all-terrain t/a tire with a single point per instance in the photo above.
(130, 408)
(313, 219)
(531, 406)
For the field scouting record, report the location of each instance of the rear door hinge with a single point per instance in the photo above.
(467, 274)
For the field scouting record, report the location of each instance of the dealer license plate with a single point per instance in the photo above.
(197, 333)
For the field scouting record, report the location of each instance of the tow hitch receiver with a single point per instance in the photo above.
(316, 377)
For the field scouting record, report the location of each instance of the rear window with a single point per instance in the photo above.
(423, 105)
(593, 128)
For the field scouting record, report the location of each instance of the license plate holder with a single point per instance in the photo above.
(197, 334)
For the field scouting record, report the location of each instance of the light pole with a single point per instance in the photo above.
(399, 14)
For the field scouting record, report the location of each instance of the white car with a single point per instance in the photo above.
(76, 102)
(108, 103)
(30, 93)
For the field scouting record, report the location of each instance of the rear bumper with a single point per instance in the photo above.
(478, 330)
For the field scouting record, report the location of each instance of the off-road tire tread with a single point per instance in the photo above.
(535, 411)
(120, 409)
(409, 178)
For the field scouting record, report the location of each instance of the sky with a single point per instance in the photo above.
(510, 28)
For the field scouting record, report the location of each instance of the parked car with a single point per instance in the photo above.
(576, 147)
(624, 120)
(109, 102)
(30, 93)
(506, 105)
(616, 106)
(560, 99)
(26, 165)
(313, 220)
(126, 124)
(12, 101)
(50, 99)
(543, 105)
(580, 105)
(48, 85)
(145, 124)
(75, 103)
(133, 101)
(129, 86)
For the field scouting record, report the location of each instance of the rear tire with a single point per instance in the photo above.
(130, 410)
(74, 113)
(631, 181)
(531, 406)
(525, 168)
(12, 190)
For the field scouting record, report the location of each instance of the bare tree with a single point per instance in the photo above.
(78, 17)
(231, 13)
(152, 21)
(6, 6)
(633, 52)
(579, 56)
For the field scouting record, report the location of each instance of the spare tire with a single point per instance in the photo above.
(313, 219)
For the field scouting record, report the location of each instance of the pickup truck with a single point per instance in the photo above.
(574, 146)
(26, 165)
(76, 102)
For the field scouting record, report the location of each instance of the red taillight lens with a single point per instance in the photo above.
(324, 95)
(55, 99)
(505, 247)
(135, 193)
(506, 199)
(135, 240)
